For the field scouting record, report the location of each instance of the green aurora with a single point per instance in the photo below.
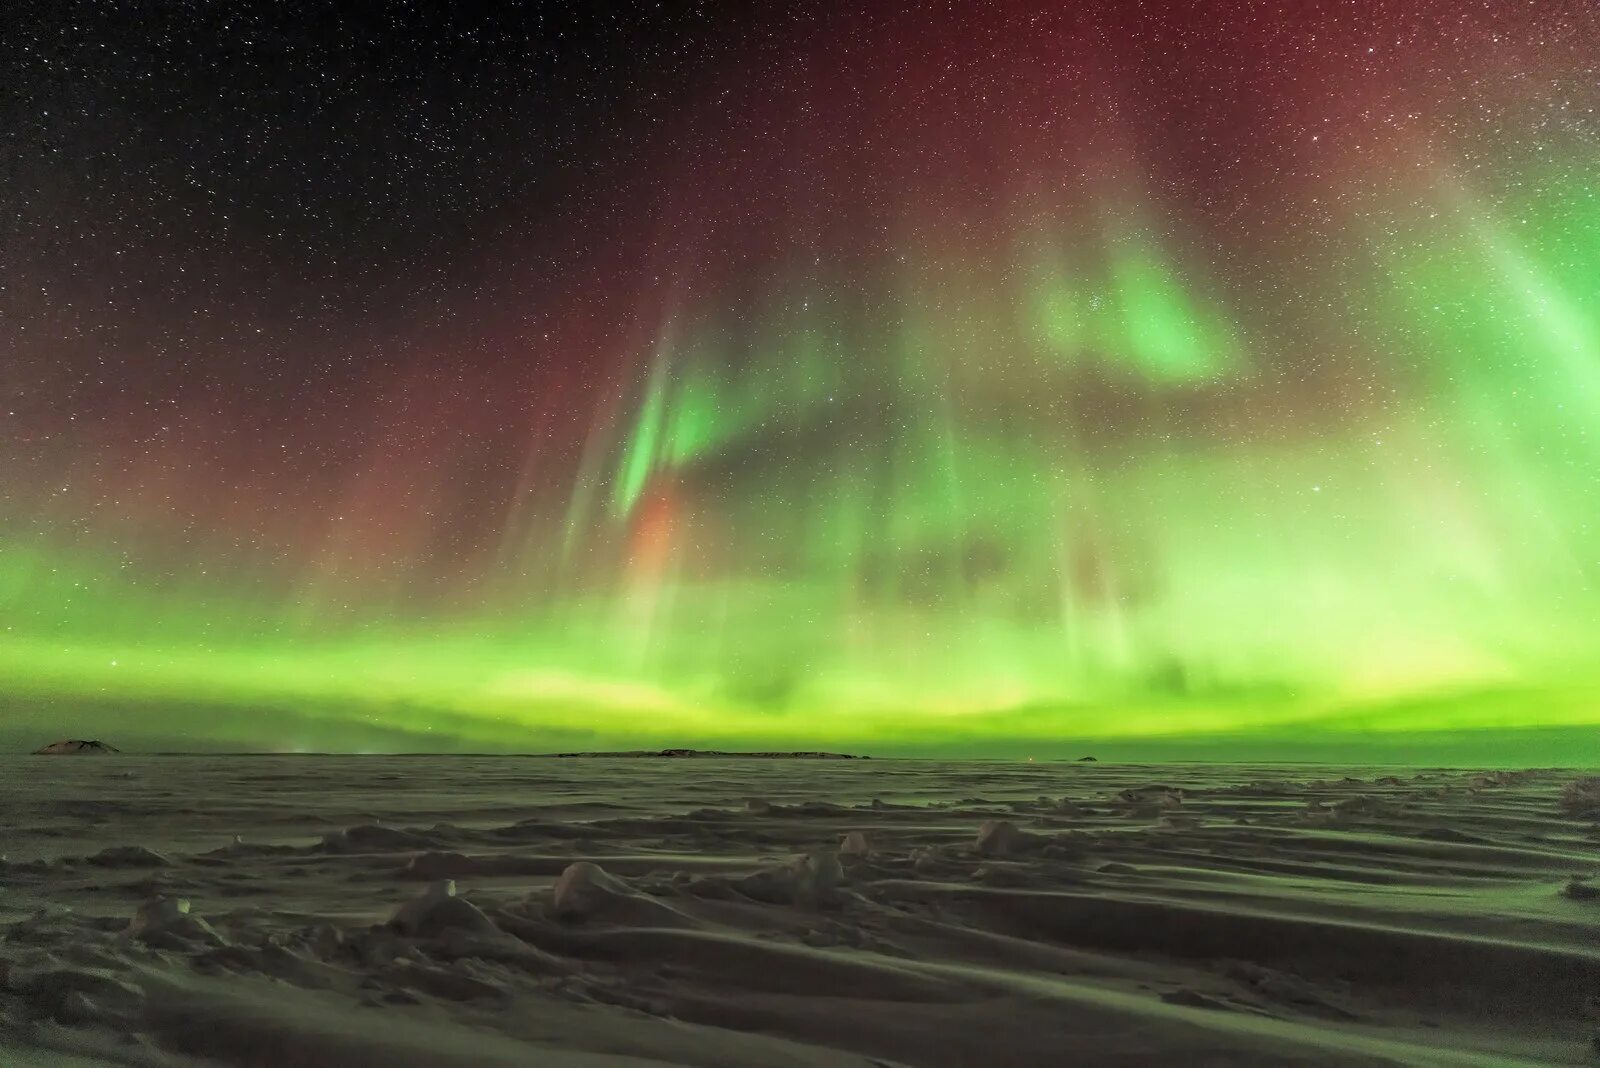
(1065, 461)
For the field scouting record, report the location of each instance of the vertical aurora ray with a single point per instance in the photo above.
(979, 395)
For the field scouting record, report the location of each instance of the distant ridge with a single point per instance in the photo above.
(498, 753)
(75, 746)
(642, 753)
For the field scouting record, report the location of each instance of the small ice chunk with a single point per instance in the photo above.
(999, 837)
(855, 845)
(158, 913)
(166, 921)
(811, 879)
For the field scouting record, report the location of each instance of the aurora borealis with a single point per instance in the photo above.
(949, 376)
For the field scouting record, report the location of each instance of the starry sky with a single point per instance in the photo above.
(955, 378)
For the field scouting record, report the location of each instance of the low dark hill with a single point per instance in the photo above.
(642, 753)
(75, 747)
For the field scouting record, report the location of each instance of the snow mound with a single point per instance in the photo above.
(168, 923)
(587, 892)
(437, 910)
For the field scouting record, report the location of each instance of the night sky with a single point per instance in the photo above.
(964, 378)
